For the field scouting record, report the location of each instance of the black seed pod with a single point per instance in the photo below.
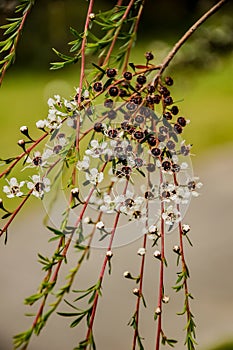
(157, 99)
(137, 100)
(151, 140)
(141, 79)
(122, 93)
(130, 106)
(138, 162)
(111, 72)
(108, 103)
(181, 121)
(150, 167)
(112, 133)
(175, 110)
(171, 145)
(166, 165)
(128, 75)
(178, 128)
(151, 89)
(169, 81)
(98, 127)
(139, 119)
(138, 135)
(164, 91)
(167, 115)
(112, 114)
(168, 101)
(98, 86)
(155, 152)
(149, 56)
(149, 195)
(175, 168)
(113, 91)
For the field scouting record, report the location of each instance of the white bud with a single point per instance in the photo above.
(153, 229)
(157, 254)
(75, 192)
(158, 311)
(24, 129)
(165, 299)
(92, 16)
(185, 229)
(127, 274)
(100, 225)
(109, 254)
(87, 220)
(176, 249)
(21, 143)
(141, 251)
(136, 291)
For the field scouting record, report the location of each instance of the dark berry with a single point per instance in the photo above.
(128, 75)
(157, 98)
(138, 135)
(130, 106)
(108, 103)
(168, 100)
(165, 194)
(149, 56)
(150, 99)
(98, 86)
(126, 170)
(150, 167)
(169, 81)
(129, 202)
(77, 96)
(122, 93)
(137, 100)
(161, 137)
(111, 72)
(150, 89)
(113, 91)
(163, 129)
(167, 115)
(164, 91)
(37, 160)
(138, 86)
(181, 121)
(191, 185)
(98, 127)
(175, 168)
(138, 162)
(155, 152)
(112, 133)
(139, 119)
(166, 165)
(171, 145)
(151, 140)
(145, 111)
(125, 126)
(131, 130)
(127, 116)
(149, 195)
(112, 114)
(141, 79)
(178, 128)
(175, 110)
(184, 150)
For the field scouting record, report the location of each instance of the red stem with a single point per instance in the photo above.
(15, 213)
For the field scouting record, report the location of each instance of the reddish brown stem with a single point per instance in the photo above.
(117, 33)
(4, 229)
(28, 150)
(13, 48)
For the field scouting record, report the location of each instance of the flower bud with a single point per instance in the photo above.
(87, 220)
(21, 143)
(165, 299)
(157, 254)
(100, 225)
(185, 229)
(176, 249)
(141, 251)
(109, 254)
(158, 311)
(136, 292)
(127, 274)
(75, 192)
(92, 16)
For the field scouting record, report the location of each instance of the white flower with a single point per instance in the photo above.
(94, 176)
(141, 251)
(171, 216)
(13, 190)
(39, 186)
(97, 149)
(84, 164)
(37, 160)
(153, 229)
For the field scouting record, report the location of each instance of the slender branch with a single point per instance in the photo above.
(4, 229)
(133, 37)
(117, 32)
(13, 48)
(186, 36)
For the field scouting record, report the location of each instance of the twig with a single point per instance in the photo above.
(186, 36)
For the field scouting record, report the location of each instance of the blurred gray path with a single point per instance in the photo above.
(210, 262)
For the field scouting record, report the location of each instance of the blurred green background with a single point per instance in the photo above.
(202, 71)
